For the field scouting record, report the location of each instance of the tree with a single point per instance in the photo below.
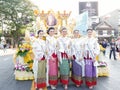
(15, 15)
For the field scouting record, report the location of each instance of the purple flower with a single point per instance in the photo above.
(22, 69)
(21, 49)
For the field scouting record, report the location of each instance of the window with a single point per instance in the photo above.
(109, 32)
(100, 32)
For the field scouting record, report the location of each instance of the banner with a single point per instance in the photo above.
(82, 23)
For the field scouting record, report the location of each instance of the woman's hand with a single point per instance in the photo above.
(70, 57)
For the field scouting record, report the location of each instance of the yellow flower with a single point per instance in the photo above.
(27, 58)
(20, 45)
(101, 48)
(30, 51)
(30, 65)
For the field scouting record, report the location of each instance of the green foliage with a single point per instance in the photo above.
(16, 14)
(28, 69)
(23, 30)
(22, 53)
(31, 61)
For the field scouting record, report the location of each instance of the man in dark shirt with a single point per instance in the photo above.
(113, 49)
(104, 44)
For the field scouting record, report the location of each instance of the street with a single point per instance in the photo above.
(7, 81)
(5, 52)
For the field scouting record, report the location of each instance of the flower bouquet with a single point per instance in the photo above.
(24, 49)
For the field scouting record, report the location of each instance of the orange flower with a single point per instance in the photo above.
(36, 12)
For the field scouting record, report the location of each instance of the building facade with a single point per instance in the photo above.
(113, 18)
(105, 31)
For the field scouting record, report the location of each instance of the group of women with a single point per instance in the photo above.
(56, 56)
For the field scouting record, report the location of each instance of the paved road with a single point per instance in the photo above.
(7, 81)
(4, 52)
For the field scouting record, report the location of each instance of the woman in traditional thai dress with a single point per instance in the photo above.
(91, 50)
(51, 43)
(39, 64)
(64, 55)
(77, 59)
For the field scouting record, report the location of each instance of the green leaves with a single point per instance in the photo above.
(10, 17)
(31, 61)
(22, 53)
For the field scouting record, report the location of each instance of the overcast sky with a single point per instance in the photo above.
(104, 6)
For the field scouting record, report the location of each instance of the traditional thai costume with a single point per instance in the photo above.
(51, 43)
(39, 64)
(63, 54)
(91, 49)
(77, 64)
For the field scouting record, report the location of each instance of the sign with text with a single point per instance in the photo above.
(91, 7)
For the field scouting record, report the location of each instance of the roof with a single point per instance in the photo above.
(104, 26)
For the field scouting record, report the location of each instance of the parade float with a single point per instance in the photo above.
(23, 61)
(102, 64)
(50, 18)
(103, 69)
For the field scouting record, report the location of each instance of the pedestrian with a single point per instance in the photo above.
(118, 46)
(39, 64)
(52, 58)
(63, 45)
(91, 50)
(104, 45)
(77, 59)
(1, 45)
(3, 42)
(112, 49)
